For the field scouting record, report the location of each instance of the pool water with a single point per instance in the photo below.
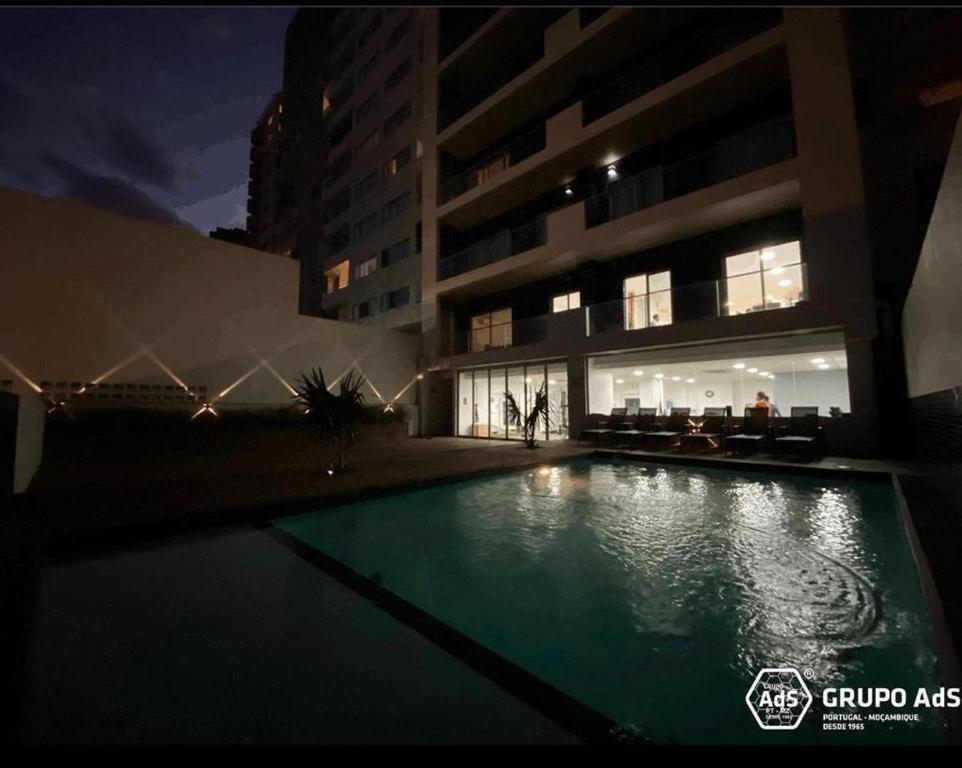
(655, 593)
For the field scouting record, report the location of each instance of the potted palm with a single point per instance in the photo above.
(528, 423)
(333, 416)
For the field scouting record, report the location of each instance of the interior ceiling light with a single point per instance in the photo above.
(739, 366)
(777, 270)
(676, 378)
(824, 366)
(619, 381)
(763, 373)
(638, 373)
(784, 283)
(768, 255)
(817, 360)
(753, 370)
(659, 376)
(689, 381)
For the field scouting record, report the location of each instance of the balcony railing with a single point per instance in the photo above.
(517, 150)
(507, 242)
(766, 144)
(737, 295)
(503, 72)
(695, 49)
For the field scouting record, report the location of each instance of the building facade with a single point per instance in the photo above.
(360, 247)
(262, 183)
(646, 208)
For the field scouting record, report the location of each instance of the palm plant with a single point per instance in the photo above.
(334, 416)
(528, 423)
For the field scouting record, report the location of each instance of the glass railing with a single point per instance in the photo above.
(781, 287)
(505, 243)
(766, 144)
(696, 48)
(502, 73)
(480, 173)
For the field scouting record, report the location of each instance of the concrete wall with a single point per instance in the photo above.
(89, 296)
(931, 323)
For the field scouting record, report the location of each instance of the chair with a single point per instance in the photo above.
(710, 433)
(803, 435)
(643, 423)
(675, 427)
(753, 433)
(605, 426)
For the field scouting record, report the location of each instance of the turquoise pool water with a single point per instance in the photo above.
(655, 593)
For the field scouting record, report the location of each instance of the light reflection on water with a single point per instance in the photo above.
(623, 583)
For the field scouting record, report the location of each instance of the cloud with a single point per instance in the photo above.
(108, 192)
(132, 151)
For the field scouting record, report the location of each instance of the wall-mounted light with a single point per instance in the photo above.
(420, 377)
(612, 171)
(569, 192)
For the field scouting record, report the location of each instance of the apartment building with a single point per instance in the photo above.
(360, 242)
(648, 207)
(262, 191)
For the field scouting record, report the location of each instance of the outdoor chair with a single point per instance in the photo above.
(675, 427)
(803, 435)
(753, 434)
(643, 423)
(709, 434)
(605, 426)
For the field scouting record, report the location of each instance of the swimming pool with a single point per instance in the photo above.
(655, 593)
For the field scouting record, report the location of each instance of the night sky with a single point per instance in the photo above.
(146, 111)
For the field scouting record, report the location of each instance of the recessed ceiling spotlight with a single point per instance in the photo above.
(753, 370)
(785, 283)
(739, 366)
(823, 366)
(763, 373)
(817, 360)
(768, 254)
(689, 381)
(676, 378)
(659, 376)
(612, 171)
(638, 373)
(619, 381)
(771, 375)
(568, 190)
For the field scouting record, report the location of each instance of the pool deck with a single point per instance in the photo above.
(158, 537)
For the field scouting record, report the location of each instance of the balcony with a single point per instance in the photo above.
(695, 49)
(508, 242)
(519, 149)
(766, 144)
(572, 331)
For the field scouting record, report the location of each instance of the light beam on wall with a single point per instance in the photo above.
(19, 374)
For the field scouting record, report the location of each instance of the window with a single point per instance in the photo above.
(566, 301)
(326, 101)
(340, 238)
(336, 277)
(492, 330)
(366, 107)
(397, 118)
(367, 68)
(397, 252)
(365, 268)
(339, 131)
(364, 309)
(365, 227)
(647, 300)
(338, 204)
(397, 75)
(396, 298)
(396, 163)
(397, 35)
(396, 207)
(365, 185)
(769, 278)
(369, 143)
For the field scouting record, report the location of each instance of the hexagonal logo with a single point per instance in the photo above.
(778, 699)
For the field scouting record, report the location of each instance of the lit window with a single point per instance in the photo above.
(769, 278)
(365, 268)
(491, 330)
(566, 301)
(337, 277)
(647, 300)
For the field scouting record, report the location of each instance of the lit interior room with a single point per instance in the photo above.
(818, 378)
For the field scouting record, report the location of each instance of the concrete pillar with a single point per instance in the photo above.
(577, 396)
(836, 240)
